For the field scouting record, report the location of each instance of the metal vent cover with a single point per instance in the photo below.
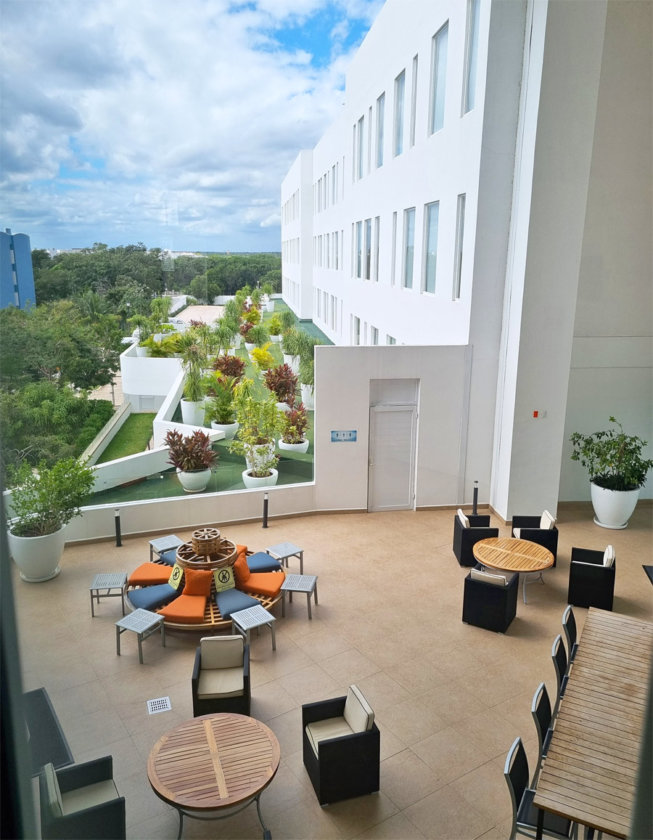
(159, 704)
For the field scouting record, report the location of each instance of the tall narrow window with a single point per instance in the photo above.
(380, 118)
(438, 78)
(374, 335)
(369, 140)
(390, 339)
(356, 330)
(393, 261)
(400, 86)
(413, 102)
(368, 248)
(430, 244)
(361, 146)
(409, 247)
(458, 255)
(377, 239)
(334, 190)
(336, 254)
(353, 154)
(471, 55)
(359, 248)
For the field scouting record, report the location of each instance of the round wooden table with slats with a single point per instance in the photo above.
(510, 554)
(212, 763)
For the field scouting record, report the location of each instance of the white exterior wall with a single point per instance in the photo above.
(297, 225)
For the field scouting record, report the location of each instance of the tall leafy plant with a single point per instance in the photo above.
(612, 458)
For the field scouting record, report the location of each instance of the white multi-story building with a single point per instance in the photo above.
(483, 204)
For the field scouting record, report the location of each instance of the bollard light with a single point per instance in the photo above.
(265, 510)
(117, 523)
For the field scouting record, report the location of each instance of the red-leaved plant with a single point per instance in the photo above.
(190, 453)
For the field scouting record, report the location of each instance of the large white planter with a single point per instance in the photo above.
(192, 413)
(294, 447)
(269, 306)
(613, 508)
(249, 346)
(229, 429)
(142, 351)
(276, 339)
(308, 397)
(259, 453)
(292, 362)
(252, 482)
(195, 481)
(38, 558)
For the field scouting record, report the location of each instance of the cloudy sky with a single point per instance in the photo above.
(167, 122)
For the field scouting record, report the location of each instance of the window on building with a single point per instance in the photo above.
(359, 249)
(398, 141)
(413, 102)
(361, 147)
(368, 248)
(390, 340)
(336, 261)
(458, 255)
(356, 330)
(374, 335)
(380, 117)
(327, 250)
(334, 184)
(438, 78)
(377, 239)
(409, 247)
(334, 312)
(393, 261)
(471, 55)
(431, 215)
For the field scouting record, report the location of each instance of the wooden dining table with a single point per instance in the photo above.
(589, 774)
(214, 766)
(510, 554)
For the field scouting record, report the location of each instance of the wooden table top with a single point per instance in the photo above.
(512, 555)
(213, 761)
(590, 772)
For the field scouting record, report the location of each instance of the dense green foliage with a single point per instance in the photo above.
(612, 458)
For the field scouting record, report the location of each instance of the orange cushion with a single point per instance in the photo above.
(241, 569)
(264, 583)
(197, 582)
(148, 574)
(186, 609)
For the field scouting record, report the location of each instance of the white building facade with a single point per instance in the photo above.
(485, 190)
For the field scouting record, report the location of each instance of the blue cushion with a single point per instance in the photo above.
(262, 562)
(231, 600)
(151, 597)
(169, 557)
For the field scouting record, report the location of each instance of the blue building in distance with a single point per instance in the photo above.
(16, 274)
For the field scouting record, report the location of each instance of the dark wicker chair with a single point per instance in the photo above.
(100, 813)
(344, 766)
(487, 604)
(227, 650)
(591, 582)
(465, 538)
(543, 717)
(531, 528)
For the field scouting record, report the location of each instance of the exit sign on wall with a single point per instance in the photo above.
(343, 436)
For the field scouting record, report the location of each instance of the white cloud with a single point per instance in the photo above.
(195, 104)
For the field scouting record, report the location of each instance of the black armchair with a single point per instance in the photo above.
(538, 529)
(591, 578)
(220, 680)
(81, 801)
(467, 531)
(488, 602)
(341, 747)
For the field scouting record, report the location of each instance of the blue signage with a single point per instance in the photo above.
(343, 436)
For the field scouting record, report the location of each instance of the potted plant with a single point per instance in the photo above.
(192, 456)
(145, 327)
(220, 411)
(290, 348)
(268, 289)
(616, 470)
(259, 425)
(230, 365)
(283, 384)
(307, 379)
(43, 501)
(193, 361)
(275, 328)
(262, 358)
(295, 423)
(244, 331)
(258, 335)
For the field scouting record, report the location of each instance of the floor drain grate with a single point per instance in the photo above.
(160, 704)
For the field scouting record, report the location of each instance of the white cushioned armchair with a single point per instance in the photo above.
(220, 681)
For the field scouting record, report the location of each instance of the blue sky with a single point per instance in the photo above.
(163, 122)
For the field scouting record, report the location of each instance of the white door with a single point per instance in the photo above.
(391, 474)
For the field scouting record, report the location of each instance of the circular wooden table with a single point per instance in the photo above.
(213, 763)
(512, 555)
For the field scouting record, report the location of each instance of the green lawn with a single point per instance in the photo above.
(132, 438)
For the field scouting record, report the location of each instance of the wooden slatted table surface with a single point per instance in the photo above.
(590, 772)
(213, 762)
(512, 555)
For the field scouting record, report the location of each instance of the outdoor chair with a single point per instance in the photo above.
(541, 711)
(257, 583)
(81, 801)
(524, 813)
(560, 664)
(591, 578)
(490, 600)
(341, 747)
(467, 531)
(220, 681)
(538, 529)
(152, 597)
(190, 606)
(569, 626)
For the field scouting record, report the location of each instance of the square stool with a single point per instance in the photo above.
(282, 551)
(299, 583)
(103, 586)
(161, 544)
(244, 621)
(143, 623)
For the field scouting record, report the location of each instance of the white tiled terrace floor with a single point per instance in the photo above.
(449, 698)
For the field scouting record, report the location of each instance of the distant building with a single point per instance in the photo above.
(16, 275)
